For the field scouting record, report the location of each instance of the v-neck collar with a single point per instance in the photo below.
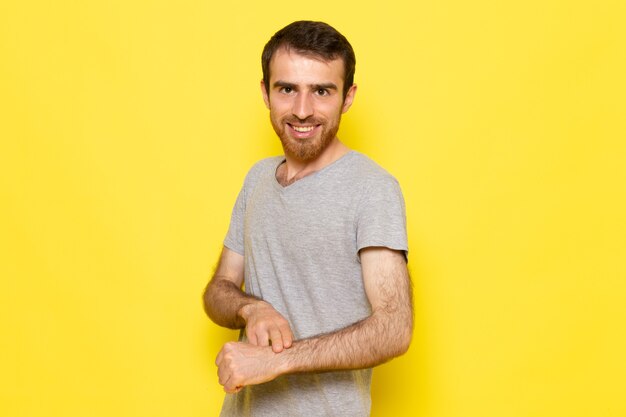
(306, 178)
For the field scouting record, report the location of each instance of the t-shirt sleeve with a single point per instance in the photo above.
(381, 218)
(234, 237)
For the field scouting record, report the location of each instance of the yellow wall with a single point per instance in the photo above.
(126, 130)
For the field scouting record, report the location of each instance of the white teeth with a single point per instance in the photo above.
(303, 129)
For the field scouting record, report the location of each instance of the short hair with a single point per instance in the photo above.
(317, 39)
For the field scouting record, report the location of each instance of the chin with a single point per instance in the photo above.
(307, 151)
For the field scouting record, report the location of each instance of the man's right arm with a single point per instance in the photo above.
(228, 306)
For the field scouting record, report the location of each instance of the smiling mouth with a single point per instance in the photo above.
(302, 129)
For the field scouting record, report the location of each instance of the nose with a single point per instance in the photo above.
(303, 106)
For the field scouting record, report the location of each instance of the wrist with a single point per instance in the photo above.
(283, 361)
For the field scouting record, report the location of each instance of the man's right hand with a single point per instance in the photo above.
(265, 326)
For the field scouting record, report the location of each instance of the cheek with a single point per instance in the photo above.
(279, 108)
(331, 112)
(330, 107)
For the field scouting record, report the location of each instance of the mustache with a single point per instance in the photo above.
(292, 120)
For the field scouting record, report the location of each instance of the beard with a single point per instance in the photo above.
(310, 148)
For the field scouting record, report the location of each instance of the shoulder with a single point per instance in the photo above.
(265, 165)
(260, 169)
(366, 171)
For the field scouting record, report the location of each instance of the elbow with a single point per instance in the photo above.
(399, 347)
(397, 331)
(398, 338)
(206, 301)
(405, 336)
(404, 342)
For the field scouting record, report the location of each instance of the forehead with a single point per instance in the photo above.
(289, 65)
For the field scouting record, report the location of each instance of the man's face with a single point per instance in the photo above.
(306, 102)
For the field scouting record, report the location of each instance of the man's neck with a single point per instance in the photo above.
(294, 169)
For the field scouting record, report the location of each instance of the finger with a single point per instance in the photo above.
(263, 338)
(285, 331)
(219, 357)
(277, 340)
(223, 376)
(231, 386)
(226, 348)
(252, 338)
(233, 390)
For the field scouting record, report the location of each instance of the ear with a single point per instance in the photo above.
(347, 102)
(266, 97)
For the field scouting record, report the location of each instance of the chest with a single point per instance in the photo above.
(304, 218)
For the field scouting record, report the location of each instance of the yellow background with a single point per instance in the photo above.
(126, 130)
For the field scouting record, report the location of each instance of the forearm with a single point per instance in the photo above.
(223, 303)
(365, 344)
(385, 334)
(228, 306)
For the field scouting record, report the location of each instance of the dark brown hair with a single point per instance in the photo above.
(317, 39)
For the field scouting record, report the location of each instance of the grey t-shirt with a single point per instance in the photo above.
(301, 252)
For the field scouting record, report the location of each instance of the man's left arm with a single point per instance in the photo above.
(385, 334)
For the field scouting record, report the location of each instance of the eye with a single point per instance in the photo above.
(322, 92)
(286, 90)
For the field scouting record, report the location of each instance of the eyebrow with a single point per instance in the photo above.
(285, 84)
(325, 86)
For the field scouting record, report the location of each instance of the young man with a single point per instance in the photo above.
(319, 238)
